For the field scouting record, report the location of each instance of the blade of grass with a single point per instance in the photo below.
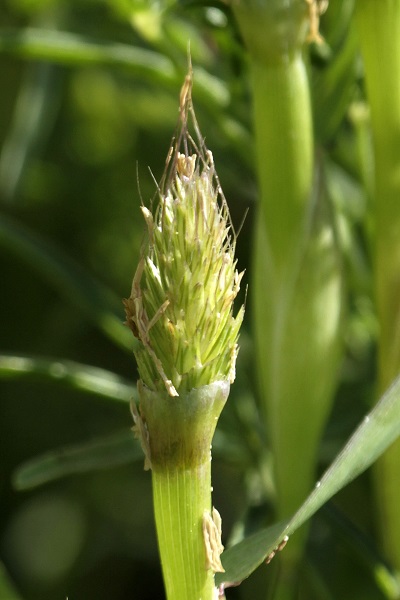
(79, 376)
(373, 436)
(96, 301)
(71, 49)
(101, 453)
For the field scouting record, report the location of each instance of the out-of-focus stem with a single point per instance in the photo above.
(379, 31)
(274, 35)
(296, 288)
(284, 154)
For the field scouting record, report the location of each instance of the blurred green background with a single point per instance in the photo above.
(81, 123)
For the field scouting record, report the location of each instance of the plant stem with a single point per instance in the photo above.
(379, 31)
(284, 154)
(283, 123)
(296, 287)
(180, 498)
(180, 433)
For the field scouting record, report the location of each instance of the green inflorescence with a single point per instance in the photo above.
(181, 304)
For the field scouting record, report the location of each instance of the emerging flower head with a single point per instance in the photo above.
(181, 303)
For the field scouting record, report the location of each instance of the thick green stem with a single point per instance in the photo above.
(296, 287)
(284, 144)
(379, 30)
(180, 498)
(274, 34)
(180, 431)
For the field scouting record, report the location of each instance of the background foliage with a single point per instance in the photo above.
(89, 100)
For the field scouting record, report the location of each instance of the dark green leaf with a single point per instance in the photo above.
(82, 377)
(101, 453)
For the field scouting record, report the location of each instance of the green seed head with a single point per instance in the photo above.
(181, 303)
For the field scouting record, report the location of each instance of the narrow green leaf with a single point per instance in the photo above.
(72, 49)
(372, 437)
(101, 453)
(82, 377)
(96, 301)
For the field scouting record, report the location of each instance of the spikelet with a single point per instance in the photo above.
(181, 303)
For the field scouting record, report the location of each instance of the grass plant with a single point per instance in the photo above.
(299, 102)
